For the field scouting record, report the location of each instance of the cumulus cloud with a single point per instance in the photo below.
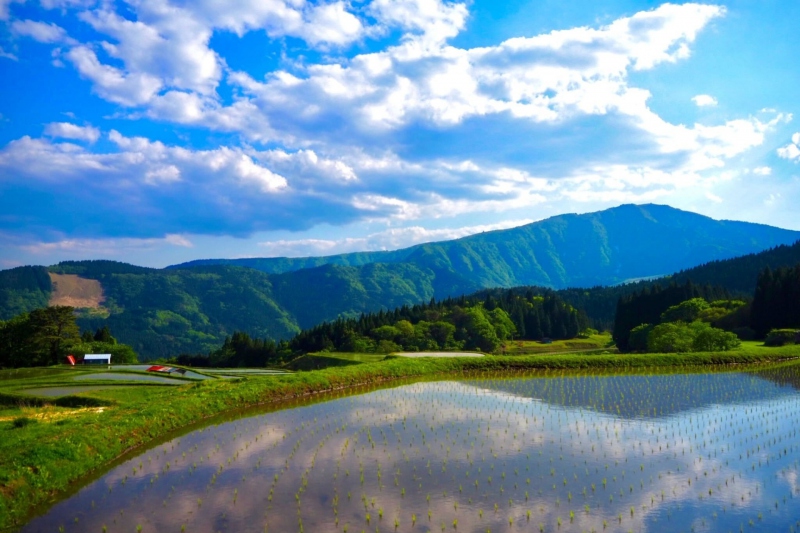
(138, 160)
(704, 100)
(548, 78)
(41, 31)
(65, 130)
(163, 45)
(112, 83)
(792, 150)
(374, 136)
(431, 20)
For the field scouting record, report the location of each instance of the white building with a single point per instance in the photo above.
(97, 359)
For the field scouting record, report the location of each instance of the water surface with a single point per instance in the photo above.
(685, 452)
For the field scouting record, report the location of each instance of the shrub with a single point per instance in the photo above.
(671, 337)
(697, 336)
(779, 337)
(715, 340)
(21, 422)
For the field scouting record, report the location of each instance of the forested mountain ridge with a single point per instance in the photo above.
(602, 248)
(162, 312)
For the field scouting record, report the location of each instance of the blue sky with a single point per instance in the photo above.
(159, 131)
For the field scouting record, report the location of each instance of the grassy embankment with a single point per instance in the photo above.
(599, 342)
(55, 447)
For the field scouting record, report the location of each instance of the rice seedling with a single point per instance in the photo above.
(626, 448)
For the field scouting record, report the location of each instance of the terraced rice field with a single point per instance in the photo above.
(679, 452)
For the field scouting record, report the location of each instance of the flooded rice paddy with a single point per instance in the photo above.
(683, 452)
(129, 376)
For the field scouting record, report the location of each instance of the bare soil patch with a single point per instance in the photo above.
(74, 291)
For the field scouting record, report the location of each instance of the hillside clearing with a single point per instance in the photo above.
(74, 291)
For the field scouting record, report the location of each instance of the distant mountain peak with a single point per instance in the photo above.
(605, 247)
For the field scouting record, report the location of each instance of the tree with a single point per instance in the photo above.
(776, 303)
(385, 333)
(503, 325)
(442, 333)
(52, 328)
(697, 336)
(637, 342)
(715, 340)
(687, 311)
(104, 335)
(120, 353)
(672, 337)
(15, 337)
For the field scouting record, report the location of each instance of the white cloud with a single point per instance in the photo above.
(139, 160)
(713, 197)
(66, 130)
(389, 239)
(67, 4)
(381, 136)
(548, 78)
(432, 20)
(8, 55)
(165, 163)
(112, 83)
(5, 5)
(762, 171)
(41, 31)
(164, 45)
(164, 174)
(307, 164)
(792, 150)
(119, 247)
(331, 24)
(171, 46)
(704, 100)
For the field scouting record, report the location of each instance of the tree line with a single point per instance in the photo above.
(775, 306)
(478, 322)
(647, 305)
(776, 302)
(45, 336)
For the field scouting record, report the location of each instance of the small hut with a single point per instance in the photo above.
(97, 359)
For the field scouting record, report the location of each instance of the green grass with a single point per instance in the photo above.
(593, 342)
(24, 373)
(318, 361)
(42, 460)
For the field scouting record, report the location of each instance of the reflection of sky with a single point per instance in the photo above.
(457, 450)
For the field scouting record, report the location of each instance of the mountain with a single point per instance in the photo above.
(193, 307)
(603, 248)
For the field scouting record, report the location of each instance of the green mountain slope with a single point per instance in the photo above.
(164, 312)
(318, 294)
(192, 308)
(603, 248)
(23, 289)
